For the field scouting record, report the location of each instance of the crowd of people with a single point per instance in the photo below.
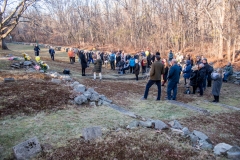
(197, 73)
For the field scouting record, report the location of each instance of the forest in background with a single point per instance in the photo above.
(204, 27)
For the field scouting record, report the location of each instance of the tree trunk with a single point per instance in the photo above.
(3, 45)
(234, 50)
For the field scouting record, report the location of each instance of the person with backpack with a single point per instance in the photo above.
(132, 64)
(112, 59)
(51, 52)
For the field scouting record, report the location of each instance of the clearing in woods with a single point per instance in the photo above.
(33, 106)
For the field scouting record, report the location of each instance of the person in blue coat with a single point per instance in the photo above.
(173, 79)
(132, 64)
(187, 71)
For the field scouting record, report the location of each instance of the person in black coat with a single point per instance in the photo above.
(36, 50)
(193, 78)
(136, 69)
(201, 77)
(165, 71)
(83, 62)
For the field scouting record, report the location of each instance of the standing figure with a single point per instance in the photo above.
(136, 69)
(132, 64)
(156, 72)
(144, 64)
(165, 71)
(82, 57)
(97, 67)
(71, 55)
(112, 60)
(193, 78)
(228, 70)
(187, 71)
(173, 79)
(51, 52)
(201, 77)
(36, 50)
(217, 84)
(170, 56)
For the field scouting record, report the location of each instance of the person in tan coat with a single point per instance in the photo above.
(156, 72)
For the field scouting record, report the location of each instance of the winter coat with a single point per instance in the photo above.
(156, 71)
(112, 57)
(83, 60)
(187, 70)
(132, 62)
(36, 49)
(97, 66)
(217, 83)
(144, 62)
(201, 75)
(71, 54)
(51, 51)
(228, 70)
(173, 74)
(118, 58)
(136, 69)
(165, 73)
(193, 78)
(170, 56)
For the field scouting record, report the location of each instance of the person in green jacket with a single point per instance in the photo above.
(228, 70)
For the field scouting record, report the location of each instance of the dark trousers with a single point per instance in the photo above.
(124, 69)
(143, 69)
(36, 53)
(136, 77)
(149, 85)
(112, 65)
(194, 89)
(205, 82)
(72, 59)
(83, 71)
(131, 69)
(52, 57)
(200, 86)
(209, 83)
(90, 60)
(172, 86)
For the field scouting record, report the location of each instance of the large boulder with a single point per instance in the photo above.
(94, 97)
(221, 148)
(147, 124)
(87, 94)
(200, 135)
(186, 131)
(80, 88)
(80, 99)
(234, 153)
(27, 149)
(160, 125)
(74, 84)
(175, 124)
(133, 124)
(204, 144)
(92, 133)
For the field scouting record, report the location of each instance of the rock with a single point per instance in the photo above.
(175, 124)
(234, 153)
(46, 147)
(27, 149)
(102, 97)
(76, 83)
(133, 124)
(200, 135)
(108, 100)
(54, 75)
(177, 131)
(41, 71)
(147, 124)
(94, 97)
(92, 104)
(80, 99)
(105, 103)
(66, 78)
(6, 80)
(237, 82)
(205, 145)
(160, 125)
(87, 94)
(194, 140)
(221, 148)
(238, 78)
(57, 81)
(91, 90)
(27, 63)
(80, 88)
(100, 102)
(91, 133)
(186, 131)
(31, 70)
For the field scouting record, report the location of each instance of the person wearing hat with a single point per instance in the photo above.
(201, 77)
(156, 72)
(193, 78)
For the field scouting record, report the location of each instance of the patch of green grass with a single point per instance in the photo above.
(213, 108)
(57, 128)
(160, 110)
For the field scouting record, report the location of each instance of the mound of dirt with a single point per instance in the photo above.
(31, 96)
